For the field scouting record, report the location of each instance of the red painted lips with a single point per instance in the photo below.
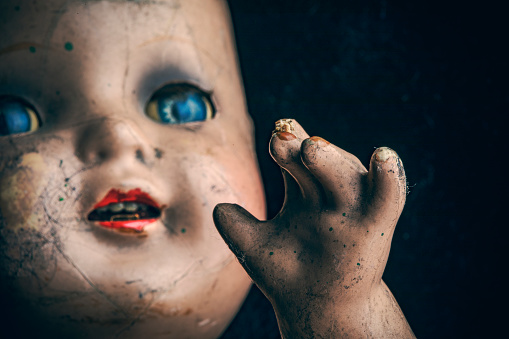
(132, 210)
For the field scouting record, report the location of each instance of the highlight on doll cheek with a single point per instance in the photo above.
(132, 210)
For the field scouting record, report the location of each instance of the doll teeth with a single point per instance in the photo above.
(124, 211)
(124, 217)
(115, 208)
(103, 209)
(130, 206)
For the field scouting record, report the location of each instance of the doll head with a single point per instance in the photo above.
(122, 125)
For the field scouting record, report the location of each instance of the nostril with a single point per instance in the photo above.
(101, 155)
(158, 153)
(139, 156)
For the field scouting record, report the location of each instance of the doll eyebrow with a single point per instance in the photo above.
(23, 46)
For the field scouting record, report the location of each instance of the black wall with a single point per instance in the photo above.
(428, 79)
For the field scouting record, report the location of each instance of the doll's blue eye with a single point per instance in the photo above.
(16, 116)
(179, 104)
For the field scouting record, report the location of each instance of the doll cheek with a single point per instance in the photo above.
(20, 189)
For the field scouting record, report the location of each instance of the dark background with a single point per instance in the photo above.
(428, 79)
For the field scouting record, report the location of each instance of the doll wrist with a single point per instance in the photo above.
(375, 315)
(337, 316)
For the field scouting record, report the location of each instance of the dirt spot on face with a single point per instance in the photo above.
(20, 189)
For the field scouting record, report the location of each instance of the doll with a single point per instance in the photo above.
(123, 125)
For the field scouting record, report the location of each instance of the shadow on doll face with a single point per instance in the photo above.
(123, 124)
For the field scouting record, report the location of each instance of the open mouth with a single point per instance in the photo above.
(129, 211)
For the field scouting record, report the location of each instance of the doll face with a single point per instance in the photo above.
(122, 125)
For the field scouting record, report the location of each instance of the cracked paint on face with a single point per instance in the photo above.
(20, 188)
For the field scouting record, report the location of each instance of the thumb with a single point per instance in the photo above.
(239, 229)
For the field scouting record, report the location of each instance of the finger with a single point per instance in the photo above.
(243, 233)
(339, 176)
(388, 187)
(292, 189)
(239, 228)
(354, 161)
(299, 131)
(284, 148)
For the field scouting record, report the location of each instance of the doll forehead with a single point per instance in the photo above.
(106, 38)
(40, 21)
(113, 27)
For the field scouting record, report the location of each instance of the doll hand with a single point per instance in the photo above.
(321, 259)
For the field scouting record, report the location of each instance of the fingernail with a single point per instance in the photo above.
(320, 141)
(384, 153)
(286, 136)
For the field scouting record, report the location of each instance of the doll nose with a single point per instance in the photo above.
(108, 140)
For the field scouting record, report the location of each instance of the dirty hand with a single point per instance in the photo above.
(320, 260)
